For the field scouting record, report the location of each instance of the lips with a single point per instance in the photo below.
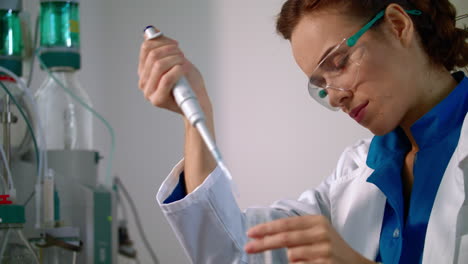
(357, 113)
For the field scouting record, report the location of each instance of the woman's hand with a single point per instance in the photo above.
(308, 239)
(161, 65)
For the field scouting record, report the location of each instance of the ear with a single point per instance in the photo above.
(399, 24)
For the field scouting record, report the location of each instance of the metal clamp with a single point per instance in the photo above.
(8, 118)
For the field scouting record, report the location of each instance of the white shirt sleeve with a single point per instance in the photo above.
(212, 228)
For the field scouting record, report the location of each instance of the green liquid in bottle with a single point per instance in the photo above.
(11, 42)
(60, 24)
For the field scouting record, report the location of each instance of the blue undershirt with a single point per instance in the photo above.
(179, 192)
(436, 133)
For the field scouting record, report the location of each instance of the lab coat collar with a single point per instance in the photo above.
(390, 149)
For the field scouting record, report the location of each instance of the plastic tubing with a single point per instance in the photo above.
(26, 242)
(28, 123)
(30, 98)
(4, 184)
(12, 190)
(42, 168)
(108, 179)
(11, 185)
(4, 244)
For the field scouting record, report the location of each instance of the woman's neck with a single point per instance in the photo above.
(434, 87)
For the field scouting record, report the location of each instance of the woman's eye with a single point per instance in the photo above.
(336, 63)
(318, 81)
(341, 62)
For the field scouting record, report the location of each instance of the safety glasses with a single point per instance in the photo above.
(339, 69)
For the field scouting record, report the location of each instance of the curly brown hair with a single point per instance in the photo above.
(442, 40)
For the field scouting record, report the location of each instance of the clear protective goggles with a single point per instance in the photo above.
(339, 70)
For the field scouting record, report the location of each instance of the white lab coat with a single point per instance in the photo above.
(212, 229)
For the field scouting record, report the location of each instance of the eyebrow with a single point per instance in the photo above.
(330, 49)
(326, 53)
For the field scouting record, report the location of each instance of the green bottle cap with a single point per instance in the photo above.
(52, 59)
(12, 214)
(63, 1)
(13, 64)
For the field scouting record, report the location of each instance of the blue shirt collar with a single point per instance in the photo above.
(389, 150)
(437, 134)
(444, 117)
(435, 124)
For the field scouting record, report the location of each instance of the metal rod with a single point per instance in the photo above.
(6, 120)
(9, 120)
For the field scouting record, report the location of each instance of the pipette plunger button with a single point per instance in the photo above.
(152, 33)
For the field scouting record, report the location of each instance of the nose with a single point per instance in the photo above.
(338, 98)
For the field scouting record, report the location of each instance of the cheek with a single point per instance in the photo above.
(386, 111)
(386, 105)
(386, 88)
(380, 81)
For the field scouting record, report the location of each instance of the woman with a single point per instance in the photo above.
(399, 198)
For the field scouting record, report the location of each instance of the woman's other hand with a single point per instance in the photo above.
(308, 239)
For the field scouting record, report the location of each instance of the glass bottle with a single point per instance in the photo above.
(14, 247)
(67, 124)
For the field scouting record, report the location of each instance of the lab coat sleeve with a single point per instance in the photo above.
(212, 228)
(207, 222)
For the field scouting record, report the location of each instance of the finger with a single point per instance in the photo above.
(284, 225)
(157, 71)
(315, 252)
(288, 239)
(155, 56)
(162, 98)
(148, 45)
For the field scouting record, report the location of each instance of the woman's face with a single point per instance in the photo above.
(381, 94)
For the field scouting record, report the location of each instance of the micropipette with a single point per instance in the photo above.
(188, 103)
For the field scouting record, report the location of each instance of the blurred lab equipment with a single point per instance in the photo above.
(54, 209)
(14, 248)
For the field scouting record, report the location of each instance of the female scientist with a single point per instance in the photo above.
(398, 198)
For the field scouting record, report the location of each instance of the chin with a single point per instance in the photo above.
(379, 132)
(380, 129)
